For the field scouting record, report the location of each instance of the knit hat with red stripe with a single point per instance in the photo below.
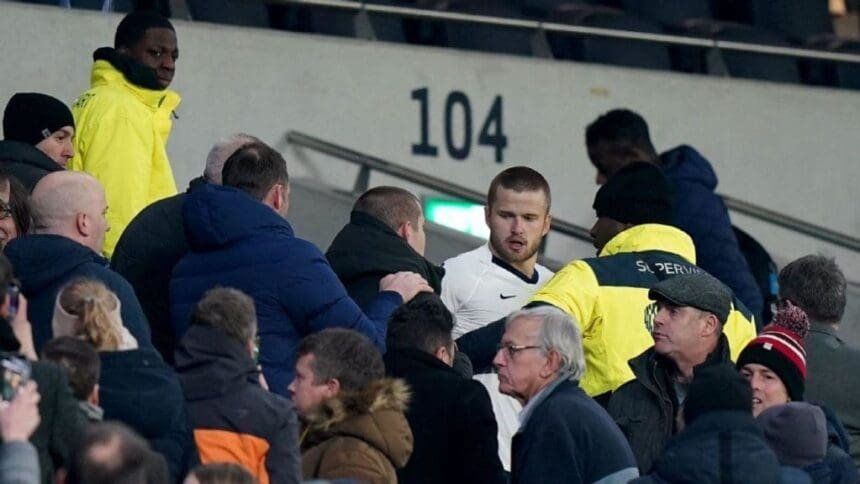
(779, 347)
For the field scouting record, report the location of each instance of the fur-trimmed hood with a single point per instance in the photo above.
(374, 415)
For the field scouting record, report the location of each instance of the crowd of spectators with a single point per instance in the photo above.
(155, 337)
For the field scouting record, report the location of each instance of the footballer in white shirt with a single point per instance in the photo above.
(486, 284)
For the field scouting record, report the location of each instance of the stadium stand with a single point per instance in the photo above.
(778, 23)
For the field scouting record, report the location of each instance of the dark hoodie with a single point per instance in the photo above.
(238, 242)
(724, 446)
(234, 418)
(137, 388)
(26, 162)
(45, 263)
(366, 250)
(702, 214)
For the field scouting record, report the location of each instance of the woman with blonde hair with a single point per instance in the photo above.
(136, 387)
(86, 309)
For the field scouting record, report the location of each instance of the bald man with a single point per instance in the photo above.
(69, 227)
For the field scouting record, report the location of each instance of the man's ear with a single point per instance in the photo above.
(711, 326)
(332, 387)
(553, 363)
(94, 395)
(82, 224)
(444, 355)
(403, 230)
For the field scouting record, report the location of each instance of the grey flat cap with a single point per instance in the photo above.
(699, 290)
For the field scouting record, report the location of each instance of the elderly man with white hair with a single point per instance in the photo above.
(564, 435)
(69, 228)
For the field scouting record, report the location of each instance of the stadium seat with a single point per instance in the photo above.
(604, 50)
(231, 12)
(828, 73)
(668, 12)
(746, 65)
(798, 19)
(488, 38)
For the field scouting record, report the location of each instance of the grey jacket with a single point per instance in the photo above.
(832, 367)
(19, 463)
(646, 408)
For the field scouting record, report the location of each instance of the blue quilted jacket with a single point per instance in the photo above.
(238, 242)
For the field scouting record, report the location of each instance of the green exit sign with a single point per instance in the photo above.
(466, 217)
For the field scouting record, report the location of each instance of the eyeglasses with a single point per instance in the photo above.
(512, 350)
(5, 210)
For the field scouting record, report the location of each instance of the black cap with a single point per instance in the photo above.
(31, 117)
(699, 290)
(639, 193)
(714, 388)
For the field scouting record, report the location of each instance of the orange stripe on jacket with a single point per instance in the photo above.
(225, 446)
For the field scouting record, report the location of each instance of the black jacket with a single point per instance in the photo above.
(720, 447)
(452, 422)
(234, 418)
(26, 162)
(45, 263)
(137, 388)
(148, 250)
(646, 408)
(366, 250)
(62, 421)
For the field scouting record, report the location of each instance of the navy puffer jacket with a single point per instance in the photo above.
(238, 242)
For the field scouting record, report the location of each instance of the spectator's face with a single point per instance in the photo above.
(415, 235)
(768, 389)
(307, 394)
(602, 157)
(678, 331)
(157, 49)
(8, 229)
(97, 215)
(604, 230)
(517, 221)
(59, 146)
(523, 367)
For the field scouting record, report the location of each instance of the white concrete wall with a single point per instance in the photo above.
(790, 148)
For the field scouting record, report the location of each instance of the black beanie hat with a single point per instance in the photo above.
(31, 117)
(639, 193)
(717, 387)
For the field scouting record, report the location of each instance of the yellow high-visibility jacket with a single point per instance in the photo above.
(608, 296)
(122, 131)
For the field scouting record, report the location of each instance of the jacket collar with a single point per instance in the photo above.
(27, 154)
(542, 395)
(112, 68)
(403, 361)
(825, 329)
(646, 366)
(645, 237)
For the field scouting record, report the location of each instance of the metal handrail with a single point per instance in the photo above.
(567, 228)
(413, 176)
(793, 224)
(576, 29)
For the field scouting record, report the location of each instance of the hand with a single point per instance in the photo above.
(407, 284)
(19, 420)
(23, 330)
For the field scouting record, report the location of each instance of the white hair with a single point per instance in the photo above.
(559, 332)
(221, 151)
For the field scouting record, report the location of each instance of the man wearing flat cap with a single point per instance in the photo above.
(687, 328)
